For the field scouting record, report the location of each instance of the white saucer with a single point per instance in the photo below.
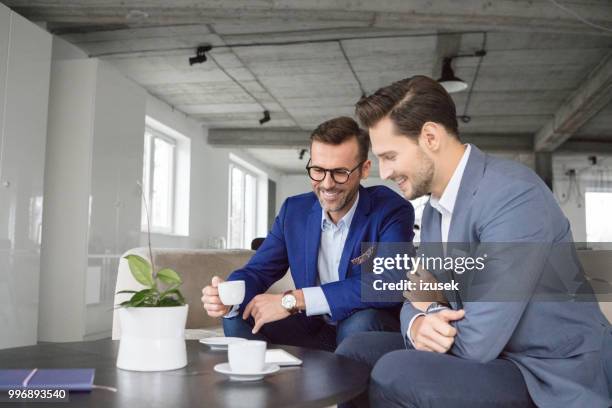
(224, 368)
(220, 343)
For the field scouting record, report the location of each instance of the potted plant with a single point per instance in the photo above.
(153, 320)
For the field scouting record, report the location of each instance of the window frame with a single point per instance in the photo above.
(253, 209)
(152, 134)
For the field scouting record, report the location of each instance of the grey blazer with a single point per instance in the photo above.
(556, 344)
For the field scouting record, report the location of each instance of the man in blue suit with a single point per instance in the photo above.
(318, 236)
(510, 337)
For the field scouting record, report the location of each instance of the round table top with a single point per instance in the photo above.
(324, 378)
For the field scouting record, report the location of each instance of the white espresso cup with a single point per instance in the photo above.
(247, 357)
(231, 292)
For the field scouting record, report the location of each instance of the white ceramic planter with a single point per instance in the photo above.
(152, 338)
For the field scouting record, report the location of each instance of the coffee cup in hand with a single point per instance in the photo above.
(247, 357)
(231, 292)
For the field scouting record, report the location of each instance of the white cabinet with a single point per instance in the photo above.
(25, 57)
(92, 202)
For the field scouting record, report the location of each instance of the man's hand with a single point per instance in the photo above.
(433, 332)
(423, 297)
(265, 308)
(210, 299)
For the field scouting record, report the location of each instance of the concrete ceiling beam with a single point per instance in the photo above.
(586, 101)
(290, 138)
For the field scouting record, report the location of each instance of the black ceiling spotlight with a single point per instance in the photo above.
(302, 153)
(448, 79)
(465, 118)
(200, 54)
(266, 117)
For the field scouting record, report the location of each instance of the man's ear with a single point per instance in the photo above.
(430, 137)
(365, 169)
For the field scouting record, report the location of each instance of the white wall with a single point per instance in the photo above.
(209, 181)
(25, 57)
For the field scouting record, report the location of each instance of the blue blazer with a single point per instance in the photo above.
(557, 344)
(381, 216)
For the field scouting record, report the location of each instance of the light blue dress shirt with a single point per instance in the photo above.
(333, 238)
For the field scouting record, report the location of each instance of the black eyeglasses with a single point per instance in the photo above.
(339, 176)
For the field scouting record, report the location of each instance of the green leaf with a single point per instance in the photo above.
(125, 291)
(141, 270)
(169, 277)
(168, 302)
(173, 292)
(140, 297)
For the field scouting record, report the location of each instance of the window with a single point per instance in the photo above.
(598, 221)
(242, 225)
(159, 180)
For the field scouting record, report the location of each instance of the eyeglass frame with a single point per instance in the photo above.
(331, 172)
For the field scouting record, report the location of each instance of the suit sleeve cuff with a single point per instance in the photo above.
(410, 326)
(315, 301)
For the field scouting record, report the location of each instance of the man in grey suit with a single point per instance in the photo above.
(505, 343)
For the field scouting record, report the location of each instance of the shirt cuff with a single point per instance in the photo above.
(232, 312)
(315, 301)
(410, 326)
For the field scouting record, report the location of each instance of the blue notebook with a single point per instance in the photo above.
(71, 379)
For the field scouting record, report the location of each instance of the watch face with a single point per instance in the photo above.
(288, 302)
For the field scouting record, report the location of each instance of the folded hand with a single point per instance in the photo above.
(265, 308)
(433, 332)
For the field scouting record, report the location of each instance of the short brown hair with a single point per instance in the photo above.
(338, 130)
(410, 103)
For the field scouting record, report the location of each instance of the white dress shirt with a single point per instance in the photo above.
(445, 206)
(333, 238)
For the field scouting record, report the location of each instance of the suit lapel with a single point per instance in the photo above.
(430, 225)
(313, 240)
(357, 225)
(473, 173)
(431, 247)
(431, 233)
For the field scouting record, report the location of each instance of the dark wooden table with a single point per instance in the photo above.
(324, 379)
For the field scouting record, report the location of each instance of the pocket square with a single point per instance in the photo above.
(364, 257)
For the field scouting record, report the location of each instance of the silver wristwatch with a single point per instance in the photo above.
(436, 307)
(289, 302)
